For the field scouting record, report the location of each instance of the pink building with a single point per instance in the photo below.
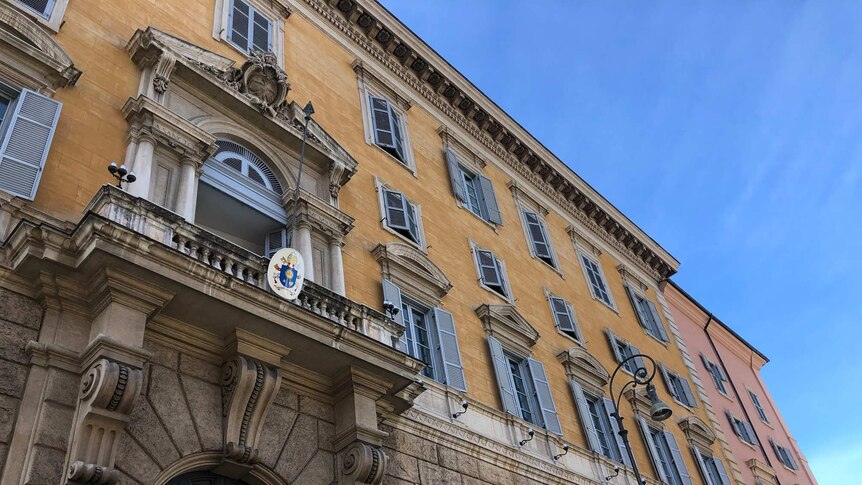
(748, 425)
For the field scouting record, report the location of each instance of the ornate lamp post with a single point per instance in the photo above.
(307, 111)
(659, 411)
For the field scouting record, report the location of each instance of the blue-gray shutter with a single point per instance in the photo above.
(701, 465)
(488, 268)
(396, 134)
(261, 32)
(274, 241)
(653, 454)
(536, 232)
(749, 431)
(544, 397)
(392, 294)
(239, 20)
(455, 176)
(667, 382)
(689, 396)
(382, 122)
(722, 473)
(621, 446)
(677, 458)
(490, 200)
(449, 351)
(639, 361)
(733, 424)
(633, 298)
(564, 316)
(412, 223)
(612, 340)
(27, 136)
(662, 334)
(584, 411)
(504, 379)
(396, 210)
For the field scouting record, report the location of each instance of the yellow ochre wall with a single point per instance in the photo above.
(92, 132)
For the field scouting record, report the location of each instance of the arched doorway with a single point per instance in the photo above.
(204, 478)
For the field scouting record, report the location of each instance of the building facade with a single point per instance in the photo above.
(759, 439)
(467, 296)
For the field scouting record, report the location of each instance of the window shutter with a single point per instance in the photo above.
(791, 459)
(239, 19)
(274, 241)
(653, 454)
(382, 122)
(677, 458)
(621, 446)
(638, 360)
(412, 224)
(393, 294)
(612, 340)
(504, 379)
(584, 411)
(29, 130)
(706, 363)
(488, 268)
(701, 465)
(733, 424)
(670, 388)
(544, 397)
(396, 134)
(689, 396)
(662, 334)
(638, 311)
(749, 430)
(396, 212)
(261, 33)
(455, 176)
(536, 231)
(490, 200)
(44, 7)
(563, 315)
(722, 473)
(452, 368)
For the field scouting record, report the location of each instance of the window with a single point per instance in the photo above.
(717, 374)
(388, 128)
(622, 350)
(540, 244)
(647, 314)
(711, 468)
(41, 7)
(564, 316)
(401, 215)
(429, 336)
(742, 428)
(248, 164)
(665, 454)
(492, 272)
(600, 427)
(28, 123)
(473, 191)
(524, 387)
(785, 456)
(678, 387)
(760, 410)
(596, 280)
(249, 29)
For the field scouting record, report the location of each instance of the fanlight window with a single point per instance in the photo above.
(246, 162)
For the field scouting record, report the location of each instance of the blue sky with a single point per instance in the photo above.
(731, 132)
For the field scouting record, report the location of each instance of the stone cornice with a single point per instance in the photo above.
(147, 117)
(387, 40)
(320, 215)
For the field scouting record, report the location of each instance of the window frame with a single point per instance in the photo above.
(680, 392)
(507, 294)
(53, 20)
(371, 87)
(718, 377)
(761, 411)
(430, 328)
(274, 12)
(529, 391)
(578, 333)
(606, 432)
(583, 257)
(644, 309)
(381, 187)
(615, 341)
(553, 261)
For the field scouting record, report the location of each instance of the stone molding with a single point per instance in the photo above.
(411, 269)
(366, 76)
(319, 215)
(584, 368)
(507, 325)
(525, 200)
(697, 431)
(761, 470)
(630, 278)
(385, 39)
(48, 65)
(363, 463)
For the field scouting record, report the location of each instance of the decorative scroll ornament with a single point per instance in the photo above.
(248, 389)
(363, 463)
(260, 79)
(286, 273)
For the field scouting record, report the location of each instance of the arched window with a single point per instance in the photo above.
(247, 163)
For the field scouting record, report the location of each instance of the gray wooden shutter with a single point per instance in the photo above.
(706, 363)
(536, 232)
(488, 268)
(455, 176)
(792, 460)
(701, 465)
(261, 32)
(504, 379)
(449, 351)
(667, 382)
(638, 310)
(662, 334)
(274, 241)
(27, 136)
(544, 397)
(749, 430)
(722, 473)
(490, 200)
(733, 424)
(612, 340)
(584, 411)
(677, 458)
(412, 223)
(382, 122)
(621, 446)
(563, 315)
(239, 18)
(689, 396)
(393, 294)
(396, 210)
(639, 361)
(397, 136)
(653, 453)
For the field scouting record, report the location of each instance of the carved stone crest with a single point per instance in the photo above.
(261, 80)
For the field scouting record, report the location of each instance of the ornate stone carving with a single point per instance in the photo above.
(162, 75)
(412, 269)
(583, 367)
(260, 79)
(363, 463)
(108, 393)
(505, 323)
(248, 389)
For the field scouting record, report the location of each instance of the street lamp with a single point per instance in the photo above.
(307, 111)
(659, 411)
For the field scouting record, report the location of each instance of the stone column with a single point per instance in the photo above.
(303, 245)
(143, 167)
(336, 265)
(186, 192)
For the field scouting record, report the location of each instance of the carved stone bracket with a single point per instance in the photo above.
(108, 392)
(363, 463)
(249, 387)
(322, 217)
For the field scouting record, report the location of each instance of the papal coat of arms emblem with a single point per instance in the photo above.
(286, 273)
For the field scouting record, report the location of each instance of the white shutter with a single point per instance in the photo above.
(677, 458)
(27, 137)
(584, 412)
(544, 397)
(504, 379)
(455, 176)
(639, 361)
(274, 241)
(449, 351)
(621, 446)
(490, 200)
(653, 454)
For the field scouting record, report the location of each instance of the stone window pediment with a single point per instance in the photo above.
(507, 325)
(584, 368)
(412, 271)
(697, 431)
